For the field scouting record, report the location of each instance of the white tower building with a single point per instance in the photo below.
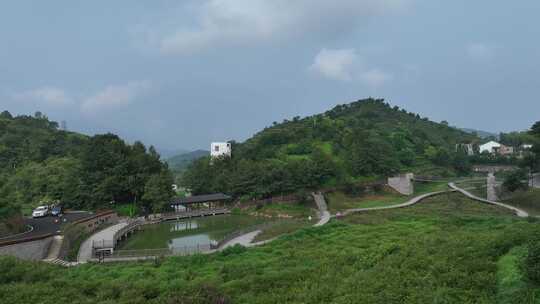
(218, 149)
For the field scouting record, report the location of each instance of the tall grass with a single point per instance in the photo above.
(444, 250)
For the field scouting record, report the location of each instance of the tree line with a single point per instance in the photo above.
(41, 164)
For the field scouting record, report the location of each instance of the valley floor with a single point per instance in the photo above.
(446, 249)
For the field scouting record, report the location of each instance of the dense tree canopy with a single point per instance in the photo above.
(364, 139)
(39, 163)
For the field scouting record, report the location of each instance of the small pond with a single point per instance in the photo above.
(200, 231)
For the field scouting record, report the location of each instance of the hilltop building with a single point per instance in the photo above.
(490, 147)
(494, 147)
(218, 149)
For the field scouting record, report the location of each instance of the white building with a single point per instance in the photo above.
(218, 149)
(490, 147)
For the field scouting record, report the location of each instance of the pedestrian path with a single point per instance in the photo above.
(518, 212)
(246, 240)
(409, 203)
(54, 248)
(324, 214)
(106, 235)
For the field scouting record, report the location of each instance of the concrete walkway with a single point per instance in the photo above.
(518, 212)
(324, 215)
(244, 240)
(107, 235)
(54, 248)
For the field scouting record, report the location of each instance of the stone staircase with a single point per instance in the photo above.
(60, 262)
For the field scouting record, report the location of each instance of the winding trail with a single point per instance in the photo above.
(246, 240)
(409, 203)
(519, 212)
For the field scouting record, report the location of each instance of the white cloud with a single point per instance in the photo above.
(346, 65)
(375, 78)
(480, 51)
(114, 96)
(236, 22)
(46, 95)
(335, 64)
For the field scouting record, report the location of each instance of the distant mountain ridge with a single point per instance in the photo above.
(181, 161)
(480, 133)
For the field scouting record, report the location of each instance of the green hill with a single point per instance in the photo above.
(363, 140)
(180, 162)
(40, 163)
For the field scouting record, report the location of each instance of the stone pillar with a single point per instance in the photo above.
(491, 188)
(402, 183)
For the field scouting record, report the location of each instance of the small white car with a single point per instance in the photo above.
(40, 211)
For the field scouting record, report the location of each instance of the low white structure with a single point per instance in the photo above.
(490, 147)
(218, 149)
(402, 183)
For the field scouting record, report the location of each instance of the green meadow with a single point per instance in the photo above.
(446, 249)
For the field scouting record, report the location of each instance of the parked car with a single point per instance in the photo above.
(57, 210)
(40, 211)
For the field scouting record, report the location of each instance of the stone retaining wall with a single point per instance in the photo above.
(31, 249)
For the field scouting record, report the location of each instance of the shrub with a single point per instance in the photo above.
(515, 181)
(354, 190)
(532, 261)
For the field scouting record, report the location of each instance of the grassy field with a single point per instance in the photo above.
(528, 201)
(339, 201)
(446, 249)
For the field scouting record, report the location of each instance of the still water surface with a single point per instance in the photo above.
(189, 232)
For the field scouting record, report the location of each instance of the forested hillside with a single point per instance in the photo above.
(180, 162)
(40, 163)
(366, 139)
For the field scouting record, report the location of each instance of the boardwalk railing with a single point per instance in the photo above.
(107, 246)
(180, 251)
(193, 213)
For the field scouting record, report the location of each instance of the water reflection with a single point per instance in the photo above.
(189, 232)
(184, 226)
(191, 241)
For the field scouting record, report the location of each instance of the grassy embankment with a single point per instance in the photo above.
(293, 216)
(527, 200)
(446, 249)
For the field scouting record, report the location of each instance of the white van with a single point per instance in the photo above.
(40, 211)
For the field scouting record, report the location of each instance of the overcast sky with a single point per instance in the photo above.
(180, 74)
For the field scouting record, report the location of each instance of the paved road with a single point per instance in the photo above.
(47, 225)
